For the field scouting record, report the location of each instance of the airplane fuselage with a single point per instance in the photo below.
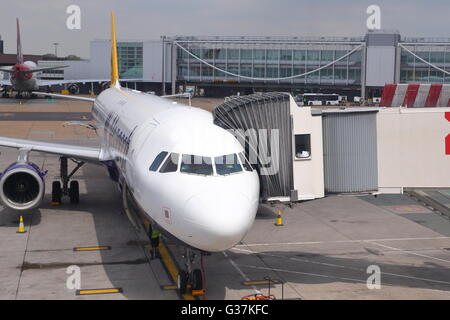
(211, 209)
(21, 80)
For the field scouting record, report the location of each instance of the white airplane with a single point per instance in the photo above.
(188, 176)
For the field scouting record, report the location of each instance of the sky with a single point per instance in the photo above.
(43, 22)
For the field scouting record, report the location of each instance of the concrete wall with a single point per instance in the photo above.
(308, 173)
(380, 66)
(153, 61)
(411, 148)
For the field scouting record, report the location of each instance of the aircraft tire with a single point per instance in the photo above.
(74, 192)
(182, 281)
(197, 279)
(56, 192)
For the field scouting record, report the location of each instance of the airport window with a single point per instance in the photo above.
(285, 72)
(272, 72)
(207, 71)
(158, 160)
(233, 54)
(303, 146)
(196, 165)
(227, 164)
(300, 55)
(437, 57)
(259, 55)
(286, 55)
(273, 54)
(246, 70)
(259, 72)
(246, 54)
(221, 54)
(340, 53)
(355, 57)
(313, 55)
(245, 163)
(326, 56)
(171, 163)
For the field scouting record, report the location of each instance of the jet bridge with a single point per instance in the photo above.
(278, 137)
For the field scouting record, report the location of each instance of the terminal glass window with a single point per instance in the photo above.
(260, 55)
(285, 72)
(130, 59)
(233, 54)
(259, 72)
(300, 55)
(303, 146)
(313, 55)
(286, 55)
(327, 56)
(246, 54)
(272, 72)
(158, 160)
(227, 164)
(221, 54)
(196, 165)
(355, 57)
(171, 163)
(273, 54)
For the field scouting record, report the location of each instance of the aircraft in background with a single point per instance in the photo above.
(184, 174)
(23, 76)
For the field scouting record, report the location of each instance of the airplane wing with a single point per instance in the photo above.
(82, 153)
(8, 70)
(5, 83)
(63, 96)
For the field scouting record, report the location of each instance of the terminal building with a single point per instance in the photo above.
(222, 66)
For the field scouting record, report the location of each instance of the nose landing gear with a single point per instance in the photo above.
(189, 278)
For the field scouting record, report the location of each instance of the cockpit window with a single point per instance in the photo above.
(196, 165)
(171, 163)
(158, 160)
(245, 163)
(227, 164)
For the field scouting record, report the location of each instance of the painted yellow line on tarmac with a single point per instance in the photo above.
(99, 291)
(92, 248)
(260, 282)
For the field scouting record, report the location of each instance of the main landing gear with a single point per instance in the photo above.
(193, 278)
(65, 187)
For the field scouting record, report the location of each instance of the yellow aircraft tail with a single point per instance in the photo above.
(114, 64)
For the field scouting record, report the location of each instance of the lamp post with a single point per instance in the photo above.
(56, 48)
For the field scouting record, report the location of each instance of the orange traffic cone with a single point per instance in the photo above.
(21, 226)
(279, 221)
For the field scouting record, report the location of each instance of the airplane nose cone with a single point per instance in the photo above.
(220, 222)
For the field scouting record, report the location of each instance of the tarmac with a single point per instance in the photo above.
(326, 248)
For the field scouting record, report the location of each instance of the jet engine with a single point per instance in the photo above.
(73, 88)
(22, 186)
